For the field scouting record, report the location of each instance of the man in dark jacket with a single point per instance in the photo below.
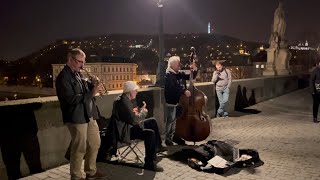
(174, 88)
(315, 90)
(76, 97)
(131, 124)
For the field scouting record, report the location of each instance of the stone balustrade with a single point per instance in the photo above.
(43, 115)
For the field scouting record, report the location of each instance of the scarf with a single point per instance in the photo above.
(169, 69)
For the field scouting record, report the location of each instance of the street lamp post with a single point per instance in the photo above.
(160, 68)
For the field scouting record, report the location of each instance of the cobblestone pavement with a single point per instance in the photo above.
(283, 133)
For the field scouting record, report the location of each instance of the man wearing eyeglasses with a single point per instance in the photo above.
(79, 112)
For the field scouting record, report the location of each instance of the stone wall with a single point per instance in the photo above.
(28, 90)
(43, 115)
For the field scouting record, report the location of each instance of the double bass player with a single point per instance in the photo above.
(174, 88)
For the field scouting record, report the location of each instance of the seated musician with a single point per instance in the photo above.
(128, 123)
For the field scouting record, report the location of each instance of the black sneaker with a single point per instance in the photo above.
(219, 115)
(97, 175)
(315, 120)
(161, 149)
(179, 141)
(109, 158)
(168, 143)
(153, 167)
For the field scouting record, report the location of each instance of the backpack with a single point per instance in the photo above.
(226, 73)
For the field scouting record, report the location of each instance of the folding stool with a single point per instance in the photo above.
(132, 146)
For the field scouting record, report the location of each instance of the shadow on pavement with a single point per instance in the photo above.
(126, 171)
(244, 112)
(181, 153)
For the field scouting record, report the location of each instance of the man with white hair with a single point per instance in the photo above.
(174, 88)
(130, 124)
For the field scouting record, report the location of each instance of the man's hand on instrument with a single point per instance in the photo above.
(101, 88)
(187, 93)
(136, 111)
(143, 109)
(96, 90)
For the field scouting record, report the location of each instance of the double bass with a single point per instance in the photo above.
(192, 123)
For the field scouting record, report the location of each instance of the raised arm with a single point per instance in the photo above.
(66, 93)
(214, 77)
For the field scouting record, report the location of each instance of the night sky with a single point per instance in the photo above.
(27, 25)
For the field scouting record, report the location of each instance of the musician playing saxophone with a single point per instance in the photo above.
(79, 113)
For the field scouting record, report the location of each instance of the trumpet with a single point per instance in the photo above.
(96, 81)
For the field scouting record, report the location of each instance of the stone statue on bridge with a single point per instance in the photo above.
(279, 22)
(277, 38)
(278, 52)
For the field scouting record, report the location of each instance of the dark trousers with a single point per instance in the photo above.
(12, 148)
(316, 102)
(151, 123)
(108, 145)
(109, 140)
(149, 133)
(151, 136)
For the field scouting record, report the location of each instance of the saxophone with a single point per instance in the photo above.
(96, 81)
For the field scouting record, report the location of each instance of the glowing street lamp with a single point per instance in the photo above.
(160, 68)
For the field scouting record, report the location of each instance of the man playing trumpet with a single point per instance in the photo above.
(79, 112)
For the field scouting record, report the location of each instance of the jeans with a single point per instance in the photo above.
(223, 97)
(170, 121)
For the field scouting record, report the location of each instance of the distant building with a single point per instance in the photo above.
(149, 77)
(259, 62)
(303, 58)
(240, 65)
(113, 75)
(302, 47)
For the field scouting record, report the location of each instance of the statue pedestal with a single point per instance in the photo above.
(269, 71)
(270, 67)
(282, 62)
(277, 62)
